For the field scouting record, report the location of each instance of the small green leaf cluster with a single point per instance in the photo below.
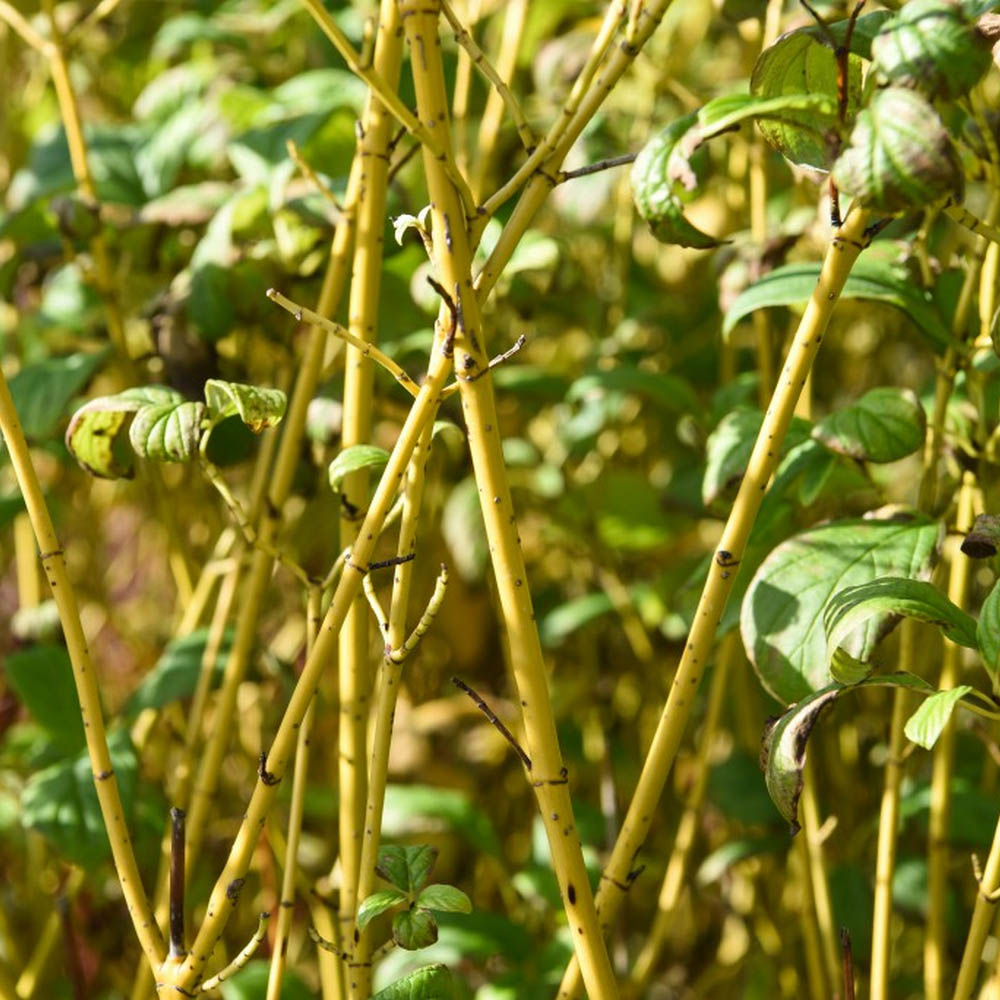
(161, 424)
(878, 134)
(407, 869)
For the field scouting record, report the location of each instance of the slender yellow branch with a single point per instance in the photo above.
(20, 24)
(354, 662)
(279, 956)
(515, 13)
(823, 908)
(935, 936)
(307, 171)
(85, 677)
(461, 92)
(479, 59)
(363, 347)
(557, 132)
(393, 629)
(293, 427)
(847, 244)
(241, 959)
(453, 259)
(673, 881)
(888, 823)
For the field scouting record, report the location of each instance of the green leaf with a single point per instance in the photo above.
(358, 456)
(783, 752)
(444, 899)
(869, 279)
(432, 982)
(42, 678)
(42, 391)
(406, 866)
(795, 64)
(659, 175)
(888, 598)
(782, 619)
(250, 983)
(414, 929)
(927, 722)
(988, 635)
(258, 408)
(884, 425)
(175, 675)
(168, 432)
(378, 903)
(61, 802)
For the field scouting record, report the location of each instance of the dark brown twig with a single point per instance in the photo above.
(394, 561)
(596, 168)
(177, 817)
(848, 963)
(497, 724)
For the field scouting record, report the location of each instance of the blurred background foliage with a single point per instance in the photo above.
(615, 421)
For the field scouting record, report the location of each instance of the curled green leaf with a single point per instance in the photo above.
(799, 63)
(783, 751)
(659, 175)
(95, 433)
(257, 407)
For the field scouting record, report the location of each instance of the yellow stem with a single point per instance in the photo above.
(563, 127)
(515, 13)
(828, 934)
(386, 693)
(844, 249)
(936, 934)
(286, 910)
(354, 665)
(27, 982)
(888, 823)
(29, 585)
(453, 259)
(85, 677)
(493, 76)
(680, 857)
